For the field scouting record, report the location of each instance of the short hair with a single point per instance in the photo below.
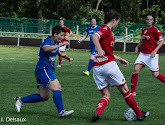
(92, 19)
(62, 18)
(111, 15)
(57, 30)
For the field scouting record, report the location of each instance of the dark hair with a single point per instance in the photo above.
(111, 15)
(62, 18)
(57, 30)
(92, 19)
(151, 14)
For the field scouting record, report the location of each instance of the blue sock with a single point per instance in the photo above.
(57, 98)
(32, 98)
(90, 65)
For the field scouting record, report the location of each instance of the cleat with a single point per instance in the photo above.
(133, 93)
(18, 103)
(145, 114)
(59, 66)
(70, 61)
(86, 73)
(64, 113)
(95, 117)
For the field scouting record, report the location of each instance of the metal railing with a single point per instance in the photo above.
(124, 39)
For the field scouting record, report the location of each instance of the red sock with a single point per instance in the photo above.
(129, 99)
(60, 60)
(101, 105)
(134, 81)
(66, 57)
(161, 77)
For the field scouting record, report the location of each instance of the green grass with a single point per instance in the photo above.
(79, 92)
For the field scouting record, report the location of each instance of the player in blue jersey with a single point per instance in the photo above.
(90, 31)
(46, 80)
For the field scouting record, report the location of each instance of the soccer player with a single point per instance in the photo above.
(106, 71)
(90, 31)
(46, 80)
(62, 48)
(150, 43)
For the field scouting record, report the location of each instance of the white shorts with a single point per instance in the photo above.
(146, 59)
(62, 48)
(108, 74)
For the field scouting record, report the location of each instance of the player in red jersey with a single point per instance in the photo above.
(106, 71)
(150, 44)
(62, 49)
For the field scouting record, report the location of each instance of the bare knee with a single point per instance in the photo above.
(136, 71)
(45, 96)
(137, 68)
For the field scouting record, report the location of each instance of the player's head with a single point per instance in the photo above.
(58, 33)
(61, 21)
(150, 19)
(93, 22)
(113, 17)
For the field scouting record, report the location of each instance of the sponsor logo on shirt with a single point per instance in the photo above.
(101, 59)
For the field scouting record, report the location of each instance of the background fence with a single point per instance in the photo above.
(44, 26)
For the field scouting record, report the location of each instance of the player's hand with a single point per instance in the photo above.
(65, 43)
(123, 62)
(79, 41)
(153, 54)
(101, 52)
(66, 37)
(136, 50)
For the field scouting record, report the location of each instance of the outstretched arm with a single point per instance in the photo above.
(49, 48)
(70, 34)
(83, 38)
(122, 61)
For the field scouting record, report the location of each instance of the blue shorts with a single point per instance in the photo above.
(93, 51)
(43, 76)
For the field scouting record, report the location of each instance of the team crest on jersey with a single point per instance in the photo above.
(145, 31)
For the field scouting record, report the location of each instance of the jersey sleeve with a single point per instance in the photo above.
(158, 35)
(102, 33)
(67, 30)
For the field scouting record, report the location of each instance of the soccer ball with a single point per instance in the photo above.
(130, 115)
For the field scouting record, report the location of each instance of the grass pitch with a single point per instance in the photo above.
(79, 92)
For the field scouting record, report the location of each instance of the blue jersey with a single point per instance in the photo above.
(90, 32)
(46, 59)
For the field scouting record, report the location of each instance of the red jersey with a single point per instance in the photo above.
(107, 43)
(153, 35)
(67, 30)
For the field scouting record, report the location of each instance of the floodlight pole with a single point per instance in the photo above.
(147, 6)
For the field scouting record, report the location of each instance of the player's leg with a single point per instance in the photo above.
(62, 49)
(154, 67)
(59, 60)
(134, 78)
(90, 64)
(69, 59)
(43, 96)
(159, 76)
(55, 87)
(129, 99)
(102, 104)
(103, 86)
